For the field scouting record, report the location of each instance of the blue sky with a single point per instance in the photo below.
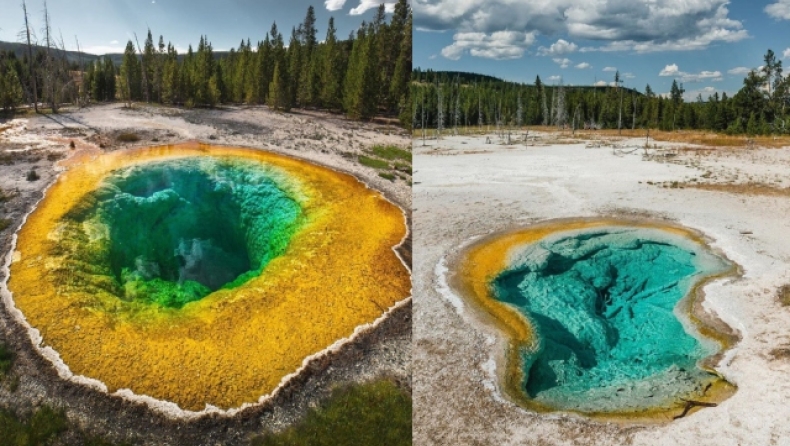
(708, 45)
(104, 26)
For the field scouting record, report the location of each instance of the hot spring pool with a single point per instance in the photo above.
(201, 275)
(600, 315)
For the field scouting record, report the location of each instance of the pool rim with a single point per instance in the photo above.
(506, 354)
(313, 364)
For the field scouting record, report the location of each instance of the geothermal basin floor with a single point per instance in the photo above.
(464, 189)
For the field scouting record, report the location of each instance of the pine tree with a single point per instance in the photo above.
(279, 93)
(332, 70)
(309, 79)
(10, 90)
(294, 67)
(129, 86)
(399, 90)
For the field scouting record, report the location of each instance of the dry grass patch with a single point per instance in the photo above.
(783, 294)
(743, 189)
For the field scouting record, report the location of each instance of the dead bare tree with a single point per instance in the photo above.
(81, 96)
(457, 110)
(519, 112)
(31, 61)
(440, 111)
(49, 63)
(422, 112)
(561, 117)
(545, 108)
(479, 110)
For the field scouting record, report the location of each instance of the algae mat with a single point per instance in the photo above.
(201, 275)
(598, 312)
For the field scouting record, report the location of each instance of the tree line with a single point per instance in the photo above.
(447, 101)
(365, 75)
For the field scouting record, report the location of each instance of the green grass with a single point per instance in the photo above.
(43, 427)
(373, 162)
(388, 176)
(391, 153)
(40, 429)
(377, 413)
(403, 167)
(6, 360)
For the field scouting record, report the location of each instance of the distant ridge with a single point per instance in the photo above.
(20, 49)
(467, 78)
(464, 76)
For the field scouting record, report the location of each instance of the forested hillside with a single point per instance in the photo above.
(444, 100)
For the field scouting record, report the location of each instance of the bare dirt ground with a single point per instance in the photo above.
(43, 144)
(466, 187)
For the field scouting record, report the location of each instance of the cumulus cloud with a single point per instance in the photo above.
(365, 5)
(618, 25)
(779, 10)
(583, 66)
(334, 5)
(499, 45)
(692, 95)
(558, 48)
(786, 54)
(605, 84)
(562, 62)
(674, 71)
(612, 69)
(555, 78)
(739, 70)
(669, 70)
(628, 76)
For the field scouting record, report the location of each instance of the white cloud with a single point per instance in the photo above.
(601, 84)
(499, 45)
(555, 78)
(786, 53)
(558, 48)
(562, 62)
(674, 71)
(779, 10)
(365, 5)
(669, 70)
(113, 42)
(612, 69)
(628, 76)
(334, 5)
(432, 57)
(691, 95)
(739, 70)
(583, 66)
(618, 25)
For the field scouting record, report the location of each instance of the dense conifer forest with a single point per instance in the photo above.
(363, 75)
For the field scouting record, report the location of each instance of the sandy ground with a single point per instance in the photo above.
(42, 143)
(465, 188)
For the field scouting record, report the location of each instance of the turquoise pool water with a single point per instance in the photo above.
(172, 232)
(603, 303)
